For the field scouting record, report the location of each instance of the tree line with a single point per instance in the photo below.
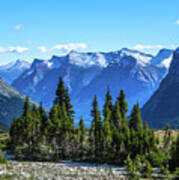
(113, 137)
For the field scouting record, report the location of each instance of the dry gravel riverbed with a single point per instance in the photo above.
(57, 171)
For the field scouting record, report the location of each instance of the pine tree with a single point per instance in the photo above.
(116, 116)
(54, 123)
(60, 93)
(123, 104)
(167, 137)
(108, 102)
(82, 131)
(69, 106)
(63, 99)
(26, 108)
(135, 123)
(107, 130)
(98, 129)
(135, 119)
(81, 137)
(16, 131)
(27, 121)
(43, 119)
(146, 139)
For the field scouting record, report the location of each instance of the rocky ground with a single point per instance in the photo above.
(57, 171)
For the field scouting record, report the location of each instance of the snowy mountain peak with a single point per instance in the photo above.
(163, 58)
(87, 59)
(142, 58)
(22, 64)
(37, 62)
(12, 70)
(15, 64)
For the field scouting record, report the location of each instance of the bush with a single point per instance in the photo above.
(157, 158)
(2, 157)
(176, 173)
(130, 166)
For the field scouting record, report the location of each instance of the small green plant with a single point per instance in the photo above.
(2, 157)
(132, 173)
(176, 173)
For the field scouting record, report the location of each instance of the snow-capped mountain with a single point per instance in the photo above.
(12, 70)
(163, 58)
(86, 74)
(163, 106)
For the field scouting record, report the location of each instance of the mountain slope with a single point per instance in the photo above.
(163, 106)
(11, 103)
(12, 70)
(138, 82)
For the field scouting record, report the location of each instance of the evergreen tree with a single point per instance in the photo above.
(60, 93)
(146, 139)
(15, 131)
(108, 103)
(43, 119)
(36, 123)
(167, 137)
(97, 128)
(69, 106)
(26, 108)
(123, 104)
(63, 99)
(116, 116)
(81, 137)
(135, 119)
(107, 129)
(82, 130)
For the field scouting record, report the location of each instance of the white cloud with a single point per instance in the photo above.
(42, 49)
(177, 22)
(13, 49)
(69, 47)
(19, 27)
(142, 47)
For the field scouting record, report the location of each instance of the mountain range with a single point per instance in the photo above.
(87, 74)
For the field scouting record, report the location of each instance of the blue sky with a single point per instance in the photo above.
(40, 28)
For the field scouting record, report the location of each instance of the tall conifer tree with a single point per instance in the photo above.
(123, 104)
(98, 129)
(135, 118)
(107, 129)
(108, 102)
(60, 93)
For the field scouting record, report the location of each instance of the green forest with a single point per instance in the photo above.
(114, 137)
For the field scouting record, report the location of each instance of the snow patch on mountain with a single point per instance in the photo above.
(87, 59)
(12, 70)
(142, 58)
(163, 58)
